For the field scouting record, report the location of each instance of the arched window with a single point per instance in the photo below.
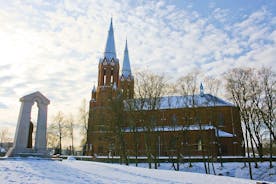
(199, 145)
(220, 119)
(153, 121)
(174, 120)
(197, 120)
(104, 76)
(112, 76)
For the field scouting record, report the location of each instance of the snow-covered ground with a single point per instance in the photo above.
(236, 169)
(72, 171)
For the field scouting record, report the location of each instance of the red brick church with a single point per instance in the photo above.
(211, 126)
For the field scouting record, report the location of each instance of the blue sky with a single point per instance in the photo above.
(55, 46)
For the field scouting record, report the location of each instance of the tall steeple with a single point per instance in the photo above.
(109, 67)
(126, 70)
(126, 80)
(110, 51)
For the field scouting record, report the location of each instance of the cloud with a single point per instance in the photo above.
(3, 106)
(221, 14)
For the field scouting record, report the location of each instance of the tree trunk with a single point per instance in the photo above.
(72, 145)
(270, 150)
(60, 144)
(248, 155)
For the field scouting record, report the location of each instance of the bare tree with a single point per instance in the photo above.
(58, 129)
(238, 91)
(188, 87)
(83, 119)
(255, 98)
(253, 91)
(268, 107)
(52, 138)
(118, 123)
(149, 89)
(69, 125)
(4, 136)
(212, 86)
(133, 124)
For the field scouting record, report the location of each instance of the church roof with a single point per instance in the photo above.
(199, 100)
(177, 102)
(126, 70)
(110, 51)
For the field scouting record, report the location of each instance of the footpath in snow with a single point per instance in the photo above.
(82, 172)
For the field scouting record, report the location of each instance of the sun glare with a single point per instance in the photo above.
(15, 48)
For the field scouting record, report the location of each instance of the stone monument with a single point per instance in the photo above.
(22, 145)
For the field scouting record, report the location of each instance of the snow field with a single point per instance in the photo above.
(34, 171)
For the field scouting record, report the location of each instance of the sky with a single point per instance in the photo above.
(54, 46)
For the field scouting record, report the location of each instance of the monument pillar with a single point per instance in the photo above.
(23, 125)
(40, 138)
(21, 145)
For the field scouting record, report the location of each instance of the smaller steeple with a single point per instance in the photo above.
(110, 51)
(94, 89)
(93, 94)
(126, 71)
(201, 89)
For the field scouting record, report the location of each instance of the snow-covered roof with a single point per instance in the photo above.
(2, 150)
(175, 102)
(126, 70)
(222, 133)
(110, 51)
(219, 133)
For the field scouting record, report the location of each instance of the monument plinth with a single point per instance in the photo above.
(22, 145)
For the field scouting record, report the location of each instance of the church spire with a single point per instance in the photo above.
(126, 71)
(110, 51)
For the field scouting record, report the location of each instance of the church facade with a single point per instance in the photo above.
(193, 125)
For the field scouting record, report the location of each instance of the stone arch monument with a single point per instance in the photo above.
(22, 139)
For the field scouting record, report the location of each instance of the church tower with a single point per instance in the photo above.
(108, 70)
(109, 84)
(126, 79)
(108, 79)
(108, 73)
